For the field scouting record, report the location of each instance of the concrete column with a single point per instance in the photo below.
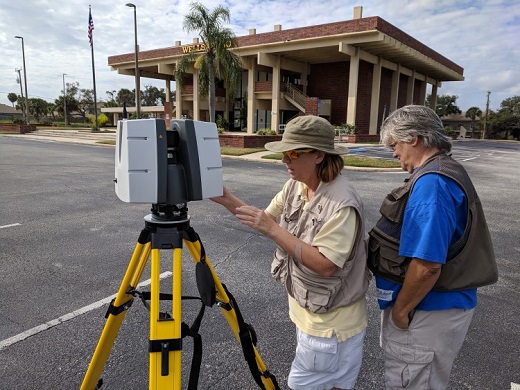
(305, 82)
(251, 101)
(410, 88)
(395, 88)
(226, 108)
(167, 104)
(275, 101)
(374, 99)
(178, 102)
(433, 97)
(196, 95)
(352, 88)
(422, 94)
(168, 88)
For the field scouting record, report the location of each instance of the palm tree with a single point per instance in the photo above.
(12, 97)
(216, 61)
(473, 112)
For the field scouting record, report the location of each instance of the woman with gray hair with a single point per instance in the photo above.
(317, 222)
(429, 251)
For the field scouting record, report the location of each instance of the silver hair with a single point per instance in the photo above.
(408, 122)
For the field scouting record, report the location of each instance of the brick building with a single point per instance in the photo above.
(353, 72)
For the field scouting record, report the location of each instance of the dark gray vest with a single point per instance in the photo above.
(470, 261)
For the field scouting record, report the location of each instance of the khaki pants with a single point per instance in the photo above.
(421, 356)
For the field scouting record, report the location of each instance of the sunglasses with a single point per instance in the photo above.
(294, 154)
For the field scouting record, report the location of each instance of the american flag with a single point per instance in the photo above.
(90, 28)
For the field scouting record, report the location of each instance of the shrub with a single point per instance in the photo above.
(102, 120)
(345, 129)
(266, 131)
(222, 123)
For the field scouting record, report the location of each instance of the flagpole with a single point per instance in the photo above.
(93, 69)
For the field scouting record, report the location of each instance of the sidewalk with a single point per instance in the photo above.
(80, 136)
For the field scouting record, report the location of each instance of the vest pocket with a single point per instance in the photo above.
(394, 204)
(392, 263)
(384, 260)
(279, 266)
(313, 296)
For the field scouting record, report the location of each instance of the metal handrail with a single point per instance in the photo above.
(295, 94)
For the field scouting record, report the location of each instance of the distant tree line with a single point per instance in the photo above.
(501, 124)
(79, 102)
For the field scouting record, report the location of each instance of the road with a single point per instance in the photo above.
(65, 241)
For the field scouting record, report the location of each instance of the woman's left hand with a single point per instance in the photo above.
(255, 218)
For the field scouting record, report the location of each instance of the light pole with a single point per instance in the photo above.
(19, 81)
(137, 83)
(64, 100)
(486, 117)
(25, 82)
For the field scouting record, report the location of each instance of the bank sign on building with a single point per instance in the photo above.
(355, 71)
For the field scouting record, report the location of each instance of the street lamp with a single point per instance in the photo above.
(25, 81)
(64, 99)
(137, 84)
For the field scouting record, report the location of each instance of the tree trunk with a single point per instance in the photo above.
(211, 94)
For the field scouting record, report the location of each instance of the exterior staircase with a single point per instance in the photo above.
(304, 103)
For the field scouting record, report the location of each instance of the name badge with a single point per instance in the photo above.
(384, 295)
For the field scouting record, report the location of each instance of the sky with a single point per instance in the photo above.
(482, 36)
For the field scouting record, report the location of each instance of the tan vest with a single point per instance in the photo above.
(312, 291)
(470, 261)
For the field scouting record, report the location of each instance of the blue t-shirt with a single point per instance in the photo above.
(434, 218)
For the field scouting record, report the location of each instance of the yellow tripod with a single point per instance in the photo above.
(168, 227)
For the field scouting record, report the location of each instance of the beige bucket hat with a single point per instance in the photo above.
(307, 131)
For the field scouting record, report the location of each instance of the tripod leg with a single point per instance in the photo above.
(195, 249)
(165, 350)
(117, 312)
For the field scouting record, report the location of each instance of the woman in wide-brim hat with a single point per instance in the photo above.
(317, 222)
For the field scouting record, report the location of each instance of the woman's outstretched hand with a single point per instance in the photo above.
(256, 219)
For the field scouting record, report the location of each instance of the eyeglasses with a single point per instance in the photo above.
(294, 154)
(392, 146)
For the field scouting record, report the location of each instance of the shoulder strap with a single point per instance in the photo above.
(248, 342)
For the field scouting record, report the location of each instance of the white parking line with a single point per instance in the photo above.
(11, 225)
(468, 159)
(50, 324)
(515, 386)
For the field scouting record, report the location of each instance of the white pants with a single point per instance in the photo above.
(323, 363)
(421, 356)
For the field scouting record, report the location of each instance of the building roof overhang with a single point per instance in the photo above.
(373, 39)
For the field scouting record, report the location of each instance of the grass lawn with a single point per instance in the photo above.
(354, 161)
(351, 161)
(228, 151)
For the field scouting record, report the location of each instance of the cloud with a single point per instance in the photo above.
(481, 36)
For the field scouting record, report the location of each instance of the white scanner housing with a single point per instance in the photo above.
(155, 165)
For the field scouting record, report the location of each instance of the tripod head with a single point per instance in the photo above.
(169, 213)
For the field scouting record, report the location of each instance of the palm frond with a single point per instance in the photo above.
(217, 62)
